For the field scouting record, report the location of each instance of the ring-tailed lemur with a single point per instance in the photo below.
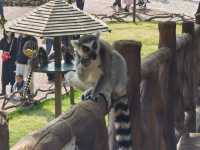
(102, 71)
(27, 86)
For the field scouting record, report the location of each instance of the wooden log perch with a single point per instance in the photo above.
(4, 133)
(151, 63)
(82, 127)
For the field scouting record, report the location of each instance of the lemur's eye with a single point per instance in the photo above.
(94, 46)
(85, 49)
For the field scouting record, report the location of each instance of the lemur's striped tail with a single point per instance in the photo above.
(123, 125)
(27, 84)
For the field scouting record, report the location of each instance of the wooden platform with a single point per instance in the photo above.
(189, 142)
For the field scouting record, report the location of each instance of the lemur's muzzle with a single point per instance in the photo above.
(92, 55)
(85, 61)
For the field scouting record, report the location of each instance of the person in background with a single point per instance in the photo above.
(19, 84)
(80, 4)
(18, 88)
(65, 43)
(9, 46)
(128, 4)
(67, 50)
(117, 3)
(49, 45)
(25, 42)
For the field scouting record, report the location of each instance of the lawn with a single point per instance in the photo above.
(26, 120)
(145, 32)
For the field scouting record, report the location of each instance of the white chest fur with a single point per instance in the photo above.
(95, 72)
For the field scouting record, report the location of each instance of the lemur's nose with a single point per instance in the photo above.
(85, 61)
(93, 55)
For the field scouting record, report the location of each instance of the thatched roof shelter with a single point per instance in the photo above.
(56, 18)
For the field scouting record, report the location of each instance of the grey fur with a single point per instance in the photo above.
(107, 74)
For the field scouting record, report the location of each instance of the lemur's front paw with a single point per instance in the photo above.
(87, 94)
(88, 97)
(83, 97)
(91, 97)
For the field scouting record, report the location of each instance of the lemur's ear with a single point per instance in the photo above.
(75, 43)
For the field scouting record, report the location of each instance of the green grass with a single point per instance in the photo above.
(146, 32)
(23, 121)
(26, 120)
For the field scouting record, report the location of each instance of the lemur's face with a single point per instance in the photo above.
(87, 48)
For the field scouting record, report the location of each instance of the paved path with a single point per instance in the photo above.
(173, 6)
(187, 7)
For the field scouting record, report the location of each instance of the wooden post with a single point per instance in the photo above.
(190, 107)
(131, 52)
(167, 34)
(134, 10)
(58, 76)
(71, 93)
(197, 15)
(188, 27)
(198, 9)
(167, 38)
(4, 133)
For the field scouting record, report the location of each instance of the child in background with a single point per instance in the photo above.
(18, 87)
(117, 3)
(19, 84)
